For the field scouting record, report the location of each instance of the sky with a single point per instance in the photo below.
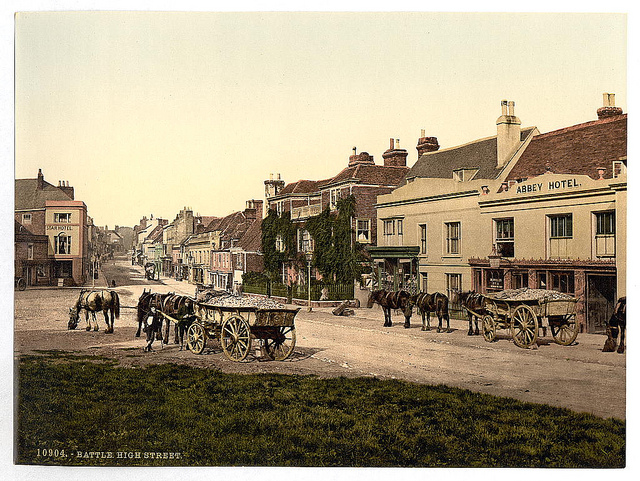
(144, 113)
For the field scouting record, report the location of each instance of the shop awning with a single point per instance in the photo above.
(393, 252)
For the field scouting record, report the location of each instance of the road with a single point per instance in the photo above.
(578, 377)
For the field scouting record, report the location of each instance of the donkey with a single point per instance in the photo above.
(437, 303)
(392, 300)
(92, 302)
(618, 322)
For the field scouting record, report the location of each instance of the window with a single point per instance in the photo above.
(399, 226)
(305, 243)
(30, 252)
(605, 236)
(453, 238)
(563, 282)
(504, 237)
(561, 226)
(62, 244)
(422, 229)
(619, 168)
(388, 227)
(542, 280)
(520, 280)
(363, 231)
(280, 207)
(454, 284)
(334, 196)
(425, 282)
(26, 219)
(61, 218)
(279, 244)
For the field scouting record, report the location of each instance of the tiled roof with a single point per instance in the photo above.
(579, 149)
(301, 187)
(27, 195)
(480, 154)
(155, 235)
(21, 233)
(251, 241)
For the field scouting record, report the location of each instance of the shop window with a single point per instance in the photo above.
(61, 217)
(453, 238)
(422, 229)
(520, 280)
(542, 280)
(62, 244)
(364, 231)
(605, 236)
(504, 237)
(26, 219)
(494, 279)
(563, 282)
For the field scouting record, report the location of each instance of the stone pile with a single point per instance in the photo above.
(230, 300)
(526, 294)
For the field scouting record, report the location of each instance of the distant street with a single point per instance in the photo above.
(579, 377)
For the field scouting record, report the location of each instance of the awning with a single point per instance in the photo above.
(393, 252)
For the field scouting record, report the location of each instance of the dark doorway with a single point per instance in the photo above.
(601, 299)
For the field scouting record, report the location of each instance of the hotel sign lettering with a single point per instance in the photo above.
(59, 227)
(552, 185)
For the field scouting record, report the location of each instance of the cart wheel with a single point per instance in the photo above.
(281, 347)
(565, 332)
(196, 338)
(235, 338)
(21, 284)
(488, 328)
(524, 326)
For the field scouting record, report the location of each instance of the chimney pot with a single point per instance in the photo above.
(391, 144)
(422, 133)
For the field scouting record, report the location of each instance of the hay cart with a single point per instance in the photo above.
(527, 311)
(238, 326)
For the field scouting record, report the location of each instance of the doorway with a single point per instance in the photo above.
(601, 299)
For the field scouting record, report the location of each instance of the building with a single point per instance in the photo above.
(549, 213)
(362, 178)
(44, 209)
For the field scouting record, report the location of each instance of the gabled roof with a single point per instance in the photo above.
(155, 235)
(302, 187)
(371, 174)
(27, 195)
(480, 154)
(251, 241)
(579, 149)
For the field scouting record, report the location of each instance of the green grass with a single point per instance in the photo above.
(216, 419)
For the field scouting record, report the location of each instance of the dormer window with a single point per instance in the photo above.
(464, 175)
(619, 168)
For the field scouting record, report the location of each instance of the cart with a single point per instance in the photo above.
(237, 327)
(527, 311)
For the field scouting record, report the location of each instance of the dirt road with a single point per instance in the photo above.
(579, 377)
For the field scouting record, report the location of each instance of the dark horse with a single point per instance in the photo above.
(472, 302)
(92, 302)
(437, 303)
(150, 305)
(618, 322)
(392, 300)
(180, 308)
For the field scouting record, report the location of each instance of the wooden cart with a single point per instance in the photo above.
(237, 327)
(527, 311)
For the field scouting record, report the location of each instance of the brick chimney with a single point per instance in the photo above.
(426, 144)
(361, 158)
(253, 209)
(608, 108)
(40, 184)
(508, 133)
(395, 156)
(64, 187)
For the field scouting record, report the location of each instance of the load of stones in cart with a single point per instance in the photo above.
(527, 294)
(231, 300)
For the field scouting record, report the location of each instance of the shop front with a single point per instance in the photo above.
(395, 268)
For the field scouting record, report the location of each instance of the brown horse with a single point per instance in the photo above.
(92, 302)
(618, 322)
(150, 304)
(179, 308)
(437, 303)
(473, 303)
(392, 300)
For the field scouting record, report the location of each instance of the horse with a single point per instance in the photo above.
(473, 303)
(437, 303)
(392, 300)
(617, 322)
(150, 304)
(179, 308)
(92, 302)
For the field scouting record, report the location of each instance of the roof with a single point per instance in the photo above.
(479, 154)
(155, 235)
(579, 149)
(302, 187)
(251, 241)
(371, 174)
(27, 195)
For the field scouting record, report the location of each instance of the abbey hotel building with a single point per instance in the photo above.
(518, 209)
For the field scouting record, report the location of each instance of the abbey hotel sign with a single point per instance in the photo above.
(551, 185)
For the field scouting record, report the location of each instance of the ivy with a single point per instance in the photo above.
(274, 226)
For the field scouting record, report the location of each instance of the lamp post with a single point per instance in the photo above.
(309, 256)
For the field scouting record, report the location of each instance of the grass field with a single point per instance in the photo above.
(76, 411)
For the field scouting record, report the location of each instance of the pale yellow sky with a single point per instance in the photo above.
(144, 113)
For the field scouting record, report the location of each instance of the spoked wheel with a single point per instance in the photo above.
(281, 347)
(235, 338)
(488, 328)
(566, 331)
(524, 326)
(21, 284)
(196, 338)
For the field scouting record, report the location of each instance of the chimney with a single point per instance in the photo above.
(608, 108)
(426, 144)
(508, 138)
(395, 156)
(273, 186)
(64, 187)
(253, 209)
(40, 184)
(361, 158)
